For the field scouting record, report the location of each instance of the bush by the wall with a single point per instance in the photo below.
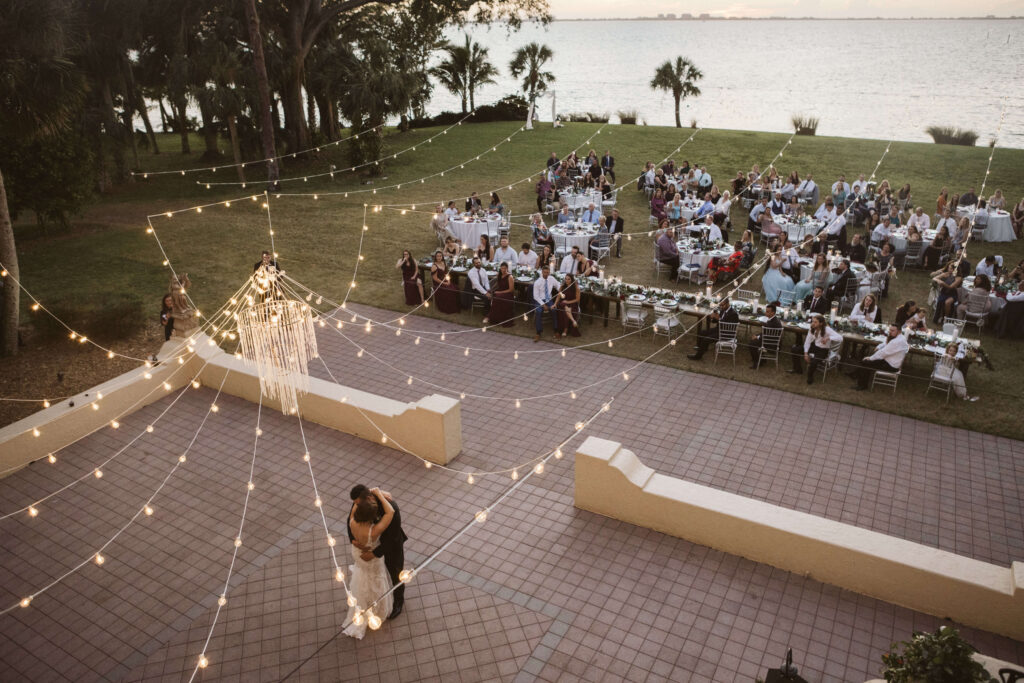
(948, 135)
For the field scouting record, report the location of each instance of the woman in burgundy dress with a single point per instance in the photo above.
(411, 279)
(568, 306)
(504, 297)
(445, 294)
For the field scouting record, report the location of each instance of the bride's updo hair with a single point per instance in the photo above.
(366, 511)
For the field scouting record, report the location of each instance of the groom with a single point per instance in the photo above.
(391, 546)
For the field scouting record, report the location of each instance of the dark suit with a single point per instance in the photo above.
(837, 289)
(616, 227)
(392, 549)
(608, 164)
(708, 337)
(772, 323)
(473, 204)
(821, 305)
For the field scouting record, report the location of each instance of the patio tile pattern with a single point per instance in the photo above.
(541, 591)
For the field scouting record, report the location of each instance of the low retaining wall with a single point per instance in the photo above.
(612, 481)
(430, 427)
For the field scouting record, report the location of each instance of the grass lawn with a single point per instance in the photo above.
(107, 250)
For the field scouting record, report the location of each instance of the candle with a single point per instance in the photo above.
(708, 292)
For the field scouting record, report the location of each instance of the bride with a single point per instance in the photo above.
(369, 578)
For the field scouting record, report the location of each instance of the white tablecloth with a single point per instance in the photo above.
(579, 236)
(968, 285)
(702, 259)
(798, 231)
(1000, 227)
(468, 232)
(899, 238)
(581, 201)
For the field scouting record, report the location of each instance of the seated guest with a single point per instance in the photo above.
(948, 282)
(888, 357)
(968, 198)
(527, 257)
(917, 322)
(945, 220)
(865, 311)
(817, 278)
(541, 234)
(997, 202)
(961, 233)
(788, 191)
(860, 185)
(553, 161)
(543, 189)
(439, 224)
(933, 252)
(606, 188)
(484, 250)
(585, 267)
(839, 197)
(882, 233)
(722, 208)
(807, 188)
(504, 292)
(777, 206)
(749, 250)
(668, 252)
(730, 264)
(496, 206)
(444, 292)
(505, 253)
(715, 195)
(1017, 274)
(704, 182)
(473, 203)
(725, 314)
(478, 286)
(903, 197)
(989, 267)
(815, 348)
(912, 235)
(772, 323)
(790, 259)
(836, 229)
(794, 208)
(980, 292)
(707, 208)
(952, 374)
(981, 215)
(827, 211)
(820, 244)
(565, 216)
(754, 217)
(451, 250)
(714, 233)
(546, 257)
(904, 313)
(856, 251)
(544, 291)
(658, 204)
(817, 302)
(837, 289)
(769, 228)
(858, 210)
(591, 214)
(738, 183)
(674, 209)
(568, 307)
(608, 164)
(411, 279)
(569, 261)
(451, 212)
(660, 181)
(919, 220)
(894, 215)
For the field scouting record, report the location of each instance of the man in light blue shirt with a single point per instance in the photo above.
(708, 207)
(564, 216)
(591, 215)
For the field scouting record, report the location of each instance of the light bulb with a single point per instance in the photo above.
(317, 502)
(606, 407)
(98, 473)
(563, 353)
(539, 468)
(579, 426)
(383, 438)
(259, 432)
(374, 621)
(222, 600)
(305, 456)
(339, 575)
(195, 384)
(250, 485)
(515, 474)
(351, 600)
(32, 511)
(149, 429)
(427, 464)
(25, 601)
(558, 453)
(99, 559)
(405, 576)
(357, 618)
(110, 354)
(238, 541)
(442, 336)
(417, 341)
(610, 344)
(462, 395)
(470, 479)
(148, 510)
(572, 395)
(182, 458)
(35, 432)
(481, 516)
(330, 541)
(203, 661)
(518, 403)
(515, 356)
(359, 354)
(167, 386)
(52, 458)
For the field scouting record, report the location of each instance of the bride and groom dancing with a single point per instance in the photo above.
(375, 531)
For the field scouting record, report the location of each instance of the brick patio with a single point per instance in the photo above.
(541, 590)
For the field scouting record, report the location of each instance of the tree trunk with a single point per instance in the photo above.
(114, 131)
(127, 116)
(259, 65)
(463, 101)
(311, 113)
(10, 291)
(164, 118)
(211, 152)
(236, 150)
(134, 96)
(472, 104)
(294, 116)
(182, 124)
(323, 105)
(678, 122)
(141, 108)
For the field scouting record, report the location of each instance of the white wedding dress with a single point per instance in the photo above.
(368, 581)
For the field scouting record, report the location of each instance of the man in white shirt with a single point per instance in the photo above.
(714, 232)
(947, 221)
(505, 253)
(568, 264)
(836, 225)
(988, 267)
(591, 214)
(704, 180)
(480, 286)
(527, 257)
(860, 186)
(805, 190)
(755, 214)
(544, 290)
(841, 182)
(815, 348)
(826, 212)
(920, 220)
(649, 175)
(790, 260)
(451, 211)
(697, 174)
(564, 216)
(888, 357)
(882, 232)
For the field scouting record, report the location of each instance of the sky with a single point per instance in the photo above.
(595, 9)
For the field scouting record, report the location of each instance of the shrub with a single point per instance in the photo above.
(805, 125)
(628, 117)
(598, 118)
(575, 117)
(110, 317)
(940, 657)
(508, 108)
(947, 135)
(693, 123)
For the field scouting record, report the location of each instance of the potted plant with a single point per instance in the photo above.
(940, 657)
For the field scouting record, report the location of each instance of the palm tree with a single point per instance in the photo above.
(528, 62)
(40, 94)
(451, 73)
(479, 71)
(679, 78)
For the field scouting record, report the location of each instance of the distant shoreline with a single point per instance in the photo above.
(699, 18)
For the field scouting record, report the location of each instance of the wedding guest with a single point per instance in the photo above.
(933, 252)
(473, 203)
(749, 250)
(504, 253)
(607, 191)
(484, 250)
(817, 302)
(962, 232)
(865, 311)
(942, 202)
(553, 161)
(988, 267)
(590, 215)
(714, 233)
(668, 252)
(527, 257)
(565, 216)
(544, 290)
(608, 164)
(266, 262)
(968, 199)
(568, 307)
(772, 323)
(543, 188)
(754, 217)
(888, 357)
(1017, 274)
(777, 206)
(919, 220)
(817, 278)
(904, 313)
(496, 206)
(903, 197)
(882, 233)
(411, 279)
(722, 209)
(541, 234)
(917, 322)
(1017, 218)
(445, 293)
(997, 202)
(738, 183)
(658, 204)
(981, 291)
(827, 211)
(451, 212)
(856, 251)
(451, 249)
(815, 348)
(807, 189)
(839, 287)
(504, 292)
(167, 316)
(478, 285)
(616, 226)
(725, 314)
(439, 224)
(945, 220)
(790, 260)
(546, 257)
(674, 209)
(769, 228)
(570, 262)
(952, 374)
(948, 282)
